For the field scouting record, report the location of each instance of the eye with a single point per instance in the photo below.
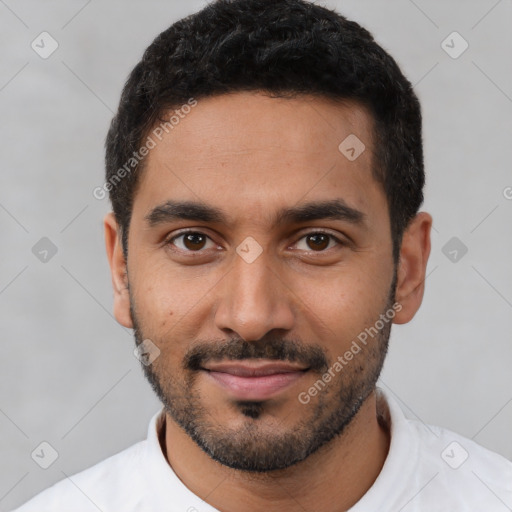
(196, 242)
(191, 241)
(318, 241)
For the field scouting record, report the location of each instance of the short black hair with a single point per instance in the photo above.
(283, 48)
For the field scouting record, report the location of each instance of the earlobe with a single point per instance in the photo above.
(414, 253)
(118, 271)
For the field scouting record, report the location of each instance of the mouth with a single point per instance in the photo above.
(254, 380)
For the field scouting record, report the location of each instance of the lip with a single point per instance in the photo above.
(254, 380)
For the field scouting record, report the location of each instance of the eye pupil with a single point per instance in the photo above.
(194, 241)
(320, 241)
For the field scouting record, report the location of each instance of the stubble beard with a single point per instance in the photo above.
(264, 442)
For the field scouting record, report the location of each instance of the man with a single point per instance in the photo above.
(265, 169)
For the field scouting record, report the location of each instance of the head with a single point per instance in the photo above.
(265, 169)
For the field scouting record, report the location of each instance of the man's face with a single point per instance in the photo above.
(251, 287)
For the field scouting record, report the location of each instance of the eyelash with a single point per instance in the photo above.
(170, 241)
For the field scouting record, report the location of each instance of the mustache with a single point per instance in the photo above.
(272, 348)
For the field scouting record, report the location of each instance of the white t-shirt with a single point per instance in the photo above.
(427, 469)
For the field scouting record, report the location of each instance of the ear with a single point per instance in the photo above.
(118, 271)
(414, 253)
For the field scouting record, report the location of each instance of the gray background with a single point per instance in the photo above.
(68, 373)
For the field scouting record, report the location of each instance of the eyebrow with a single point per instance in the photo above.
(335, 209)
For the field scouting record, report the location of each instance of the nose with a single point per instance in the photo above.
(254, 300)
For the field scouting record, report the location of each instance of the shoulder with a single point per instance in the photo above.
(433, 468)
(462, 456)
(467, 475)
(97, 487)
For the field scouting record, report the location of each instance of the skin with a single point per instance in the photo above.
(250, 156)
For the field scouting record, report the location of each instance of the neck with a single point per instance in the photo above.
(333, 478)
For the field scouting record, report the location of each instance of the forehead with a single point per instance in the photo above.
(247, 150)
(242, 121)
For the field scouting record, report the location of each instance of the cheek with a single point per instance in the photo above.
(168, 299)
(345, 302)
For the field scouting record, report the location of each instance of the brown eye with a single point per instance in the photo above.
(318, 242)
(194, 241)
(190, 241)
